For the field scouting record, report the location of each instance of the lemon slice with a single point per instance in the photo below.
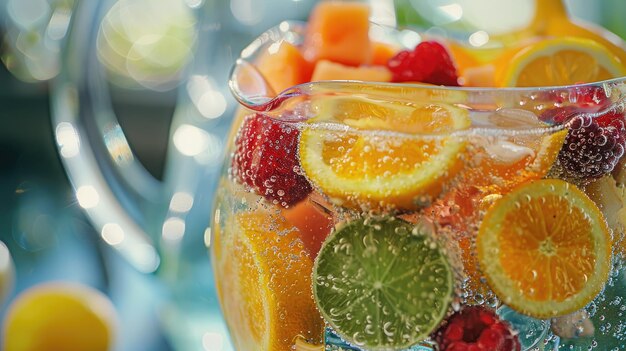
(374, 154)
(264, 282)
(559, 61)
(545, 249)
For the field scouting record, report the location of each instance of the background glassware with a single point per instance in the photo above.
(170, 51)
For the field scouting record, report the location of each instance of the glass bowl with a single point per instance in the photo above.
(360, 215)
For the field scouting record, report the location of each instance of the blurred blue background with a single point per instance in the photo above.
(164, 66)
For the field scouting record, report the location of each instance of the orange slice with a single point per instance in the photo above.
(559, 61)
(551, 19)
(264, 282)
(375, 154)
(545, 248)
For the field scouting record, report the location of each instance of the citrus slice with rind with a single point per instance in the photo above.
(382, 284)
(545, 248)
(263, 273)
(559, 61)
(552, 20)
(374, 154)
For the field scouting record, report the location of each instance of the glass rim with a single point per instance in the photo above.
(292, 31)
(287, 30)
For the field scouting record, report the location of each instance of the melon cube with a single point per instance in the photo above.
(339, 32)
(326, 70)
(382, 52)
(283, 66)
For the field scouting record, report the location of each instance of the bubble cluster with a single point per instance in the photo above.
(265, 159)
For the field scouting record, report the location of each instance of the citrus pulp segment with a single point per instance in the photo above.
(264, 276)
(382, 284)
(559, 61)
(545, 248)
(373, 154)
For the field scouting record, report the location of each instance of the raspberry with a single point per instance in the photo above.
(265, 159)
(429, 63)
(593, 146)
(476, 329)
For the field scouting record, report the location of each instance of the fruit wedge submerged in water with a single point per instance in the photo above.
(545, 248)
(382, 284)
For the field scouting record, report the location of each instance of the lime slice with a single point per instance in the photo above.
(382, 283)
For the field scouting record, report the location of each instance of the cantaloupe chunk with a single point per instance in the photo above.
(339, 32)
(382, 52)
(283, 66)
(480, 76)
(326, 70)
(313, 223)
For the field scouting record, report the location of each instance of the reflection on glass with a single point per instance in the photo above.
(67, 139)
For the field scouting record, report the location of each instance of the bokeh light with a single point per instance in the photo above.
(145, 43)
(112, 234)
(87, 196)
(34, 33)
(181, 202)
(173, 229)
(206, 97)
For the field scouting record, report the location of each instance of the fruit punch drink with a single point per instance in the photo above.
(370, 203)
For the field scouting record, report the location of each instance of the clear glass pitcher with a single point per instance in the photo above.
(163, 226)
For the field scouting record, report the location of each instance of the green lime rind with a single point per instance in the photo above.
(381, 284)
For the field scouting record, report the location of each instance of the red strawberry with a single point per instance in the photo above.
(266, 160)
(476, 328)
(429, 63)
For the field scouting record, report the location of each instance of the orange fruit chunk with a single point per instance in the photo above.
(545, 248)
(263, 275)
(283, 66)
(339, 32)
(326, 70)
(359, 166)
(559, 61)
(59, 316)
(382, 52)
(313, 222)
